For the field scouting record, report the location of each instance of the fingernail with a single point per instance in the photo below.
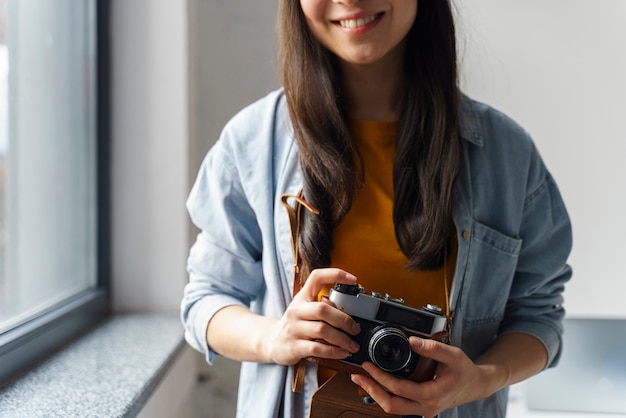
(356, 328)
(418, 342)
(354, 346)
(351, 277)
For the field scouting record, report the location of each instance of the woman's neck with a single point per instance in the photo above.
(374, 91)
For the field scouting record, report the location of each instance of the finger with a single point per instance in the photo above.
(340, 319)
(321, 350)
(321, 331)
(321, 311)
(387, 401)
(320, 277)
(321, 321)
(401, 387)
(326, 300)
(371, 386)
(438, 351)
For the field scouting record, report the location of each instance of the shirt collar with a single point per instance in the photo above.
(471, 129)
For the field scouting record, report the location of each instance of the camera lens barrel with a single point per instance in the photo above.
(389, 348)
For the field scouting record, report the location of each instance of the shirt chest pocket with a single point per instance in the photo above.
(491, 265)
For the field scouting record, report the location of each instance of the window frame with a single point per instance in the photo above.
(30, 342)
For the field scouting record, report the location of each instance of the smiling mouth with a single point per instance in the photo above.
(357, 23)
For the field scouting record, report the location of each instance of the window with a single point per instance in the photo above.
(53, 175)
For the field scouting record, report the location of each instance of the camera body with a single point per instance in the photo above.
(386, 325)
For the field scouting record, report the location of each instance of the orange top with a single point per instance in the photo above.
(365, 242)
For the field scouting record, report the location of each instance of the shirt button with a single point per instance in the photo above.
(466, 235)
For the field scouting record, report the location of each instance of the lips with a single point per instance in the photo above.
(355, 23)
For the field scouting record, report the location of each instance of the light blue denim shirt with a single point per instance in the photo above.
(514, 239)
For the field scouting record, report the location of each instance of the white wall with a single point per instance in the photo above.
(150, 165)
(149, 155)
(232, 63)
(559, 68)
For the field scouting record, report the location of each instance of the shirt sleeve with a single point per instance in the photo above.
(535, 301)
(224, 264)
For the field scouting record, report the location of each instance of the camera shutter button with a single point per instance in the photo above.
(433, 308)
(396, 300)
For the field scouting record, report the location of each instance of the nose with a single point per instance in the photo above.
(347, 2)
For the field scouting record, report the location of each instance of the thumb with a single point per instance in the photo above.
(436, 350)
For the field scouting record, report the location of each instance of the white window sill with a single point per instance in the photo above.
(110, 371)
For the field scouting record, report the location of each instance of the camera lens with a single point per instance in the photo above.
(389, 348)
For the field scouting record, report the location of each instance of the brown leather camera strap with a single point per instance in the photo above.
(448, 313)
(294, 212)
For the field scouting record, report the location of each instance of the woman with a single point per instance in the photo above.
(422, 193)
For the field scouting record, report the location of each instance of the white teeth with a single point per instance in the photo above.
(356, 23)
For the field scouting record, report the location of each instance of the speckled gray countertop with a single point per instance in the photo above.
(109, 372)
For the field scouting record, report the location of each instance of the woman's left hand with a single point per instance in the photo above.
(458, 381)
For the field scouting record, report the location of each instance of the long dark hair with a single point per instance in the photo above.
(428, 148)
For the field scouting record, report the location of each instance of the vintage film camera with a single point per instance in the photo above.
(386, 325)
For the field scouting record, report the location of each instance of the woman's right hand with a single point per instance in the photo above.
(312, 328)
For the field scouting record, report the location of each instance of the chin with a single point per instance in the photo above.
(362, 59)
(372, 55)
